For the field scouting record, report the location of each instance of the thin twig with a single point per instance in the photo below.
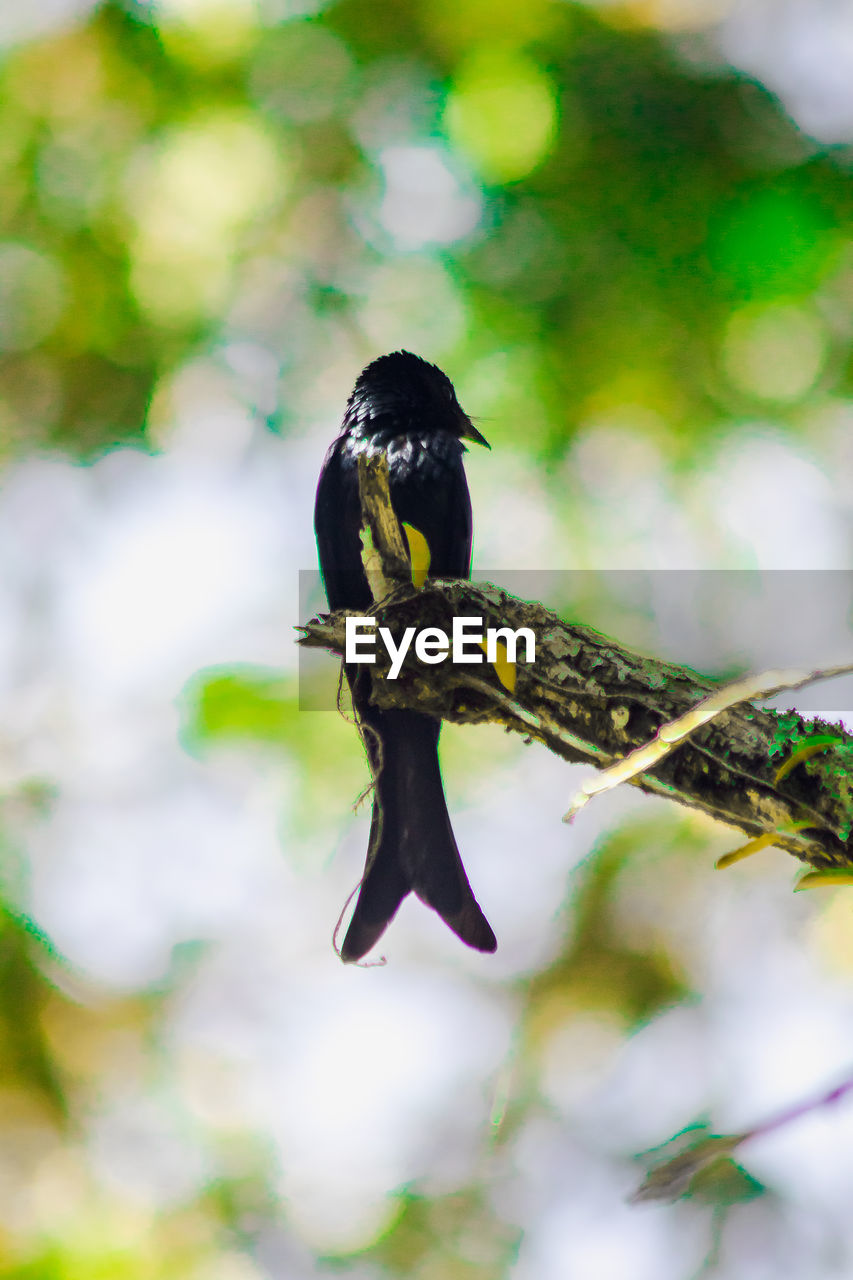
(668, 737)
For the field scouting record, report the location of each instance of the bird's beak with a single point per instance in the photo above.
(470, 432)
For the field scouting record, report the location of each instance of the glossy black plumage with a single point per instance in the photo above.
(407, 408)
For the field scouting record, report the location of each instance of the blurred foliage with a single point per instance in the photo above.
(459, 1236)
(600, 968)
(253, 707)
(246, 704)
(29, 1063)
(702, 1166)
(651, 236)
(619, 229)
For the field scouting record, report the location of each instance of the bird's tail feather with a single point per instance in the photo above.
(412, 846)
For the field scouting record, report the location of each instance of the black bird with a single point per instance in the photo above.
(406, 408)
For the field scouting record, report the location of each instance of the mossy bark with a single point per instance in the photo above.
(590, 700)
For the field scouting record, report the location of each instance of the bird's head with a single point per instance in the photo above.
(402, 392)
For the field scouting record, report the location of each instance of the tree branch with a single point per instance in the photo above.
(383, 554)
(589, 700)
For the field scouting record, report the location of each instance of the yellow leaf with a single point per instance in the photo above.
(419, 554)
(821, 742)
(760, 842)
(823, 879)
(504, 669)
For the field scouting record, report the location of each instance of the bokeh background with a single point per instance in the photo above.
(626, 232)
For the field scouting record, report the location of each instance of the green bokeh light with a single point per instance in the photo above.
(502, 112)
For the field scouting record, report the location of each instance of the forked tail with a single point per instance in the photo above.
(412, 847)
